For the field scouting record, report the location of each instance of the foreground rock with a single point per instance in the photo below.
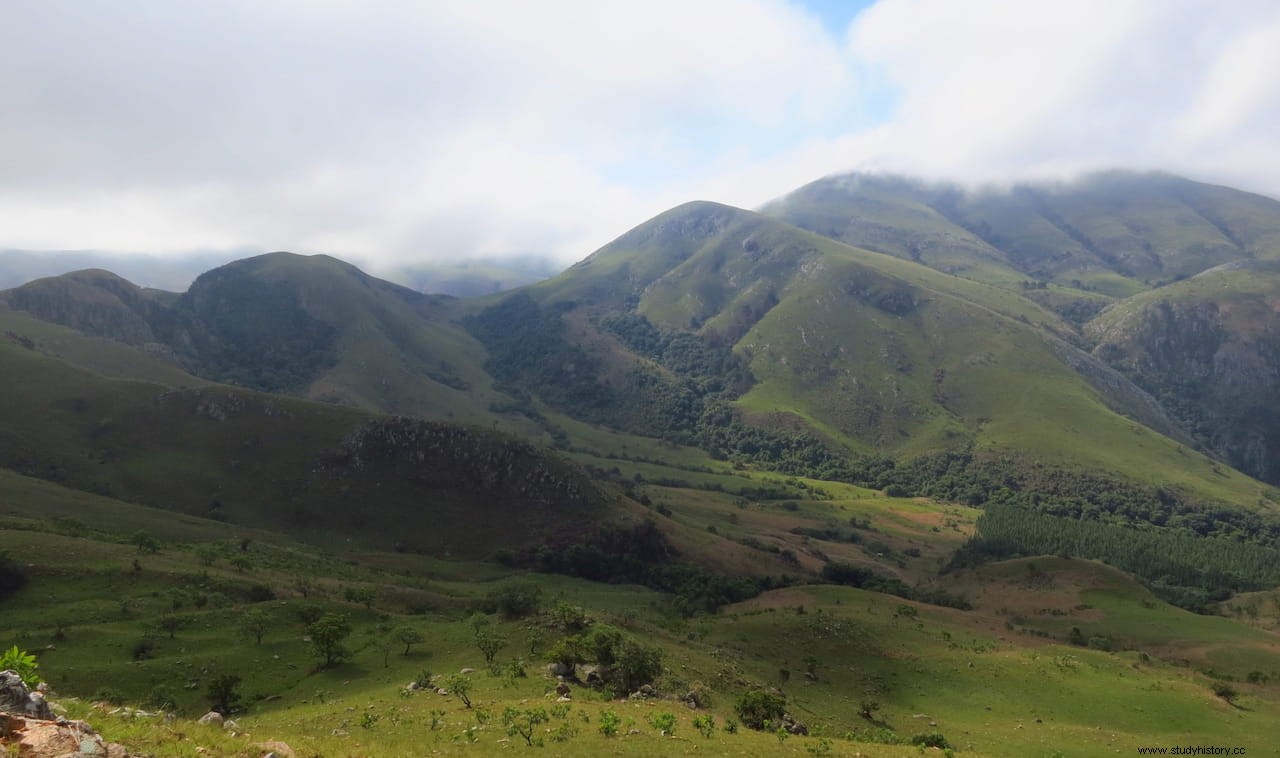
(60, 738)
(18, 699)
(28, 728)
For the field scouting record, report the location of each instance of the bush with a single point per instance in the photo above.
(664, 722)
(609, 723)
(759, 708)
(224, 694)
(706, 725)
(22, 663)
(931, 739)
(514, 600)
(636, 666)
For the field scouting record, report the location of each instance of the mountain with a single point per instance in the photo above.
(473, 278)
(868, 352)
(1104, 236)
(1110, 253)
(311, 326)
(278, 463)
(1209, 348)
(791, 473)
(17, 267)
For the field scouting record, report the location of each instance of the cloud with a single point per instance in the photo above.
(366, 128)
(990, 91)
(391, 130)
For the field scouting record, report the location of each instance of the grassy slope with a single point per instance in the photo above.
(393, 350)
(1113, 233)
(270, 461)
(929, 669)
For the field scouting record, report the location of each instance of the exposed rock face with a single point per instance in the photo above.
(1215, 364)
(17, 699)
(28, 728)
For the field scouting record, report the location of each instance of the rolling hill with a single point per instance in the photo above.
(931, 466)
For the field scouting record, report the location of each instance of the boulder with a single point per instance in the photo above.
(16, 697)
(212, 717)
(276, 749)
(43, 738)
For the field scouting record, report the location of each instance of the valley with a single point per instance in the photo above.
(980, 473)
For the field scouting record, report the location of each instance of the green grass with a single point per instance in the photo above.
(928, 668)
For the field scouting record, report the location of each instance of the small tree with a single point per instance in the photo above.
(408, 636)
(868, 709)
(224, 693)
(362, 595)
(459, 685)
(1225, 691)
(304, 586)
(524, 722)
(490, 643)
(760, 709)
(145, 542)
(255, 623)
(636, 665)
(208, 554)
(327, 636)
(171, 624)
(570, 618)
(515, 599)
(567, 652)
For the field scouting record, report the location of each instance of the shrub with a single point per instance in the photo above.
(931, 739)
(636, 665)
(664, 722)
(22, 663)
(514, 600)
(757, 708)
(459, 685)
(570, 618)
(224, 693)
(706, 725)
(609, 723)
(523, 722)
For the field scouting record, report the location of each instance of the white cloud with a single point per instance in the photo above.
(403, 130)
(365, 128)
(993, 91)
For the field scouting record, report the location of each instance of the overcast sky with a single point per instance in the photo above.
(399, 131)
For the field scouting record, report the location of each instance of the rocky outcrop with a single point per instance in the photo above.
(29, 729)
(16, 698)
(1212, 360)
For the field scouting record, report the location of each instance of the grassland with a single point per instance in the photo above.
(998, 680)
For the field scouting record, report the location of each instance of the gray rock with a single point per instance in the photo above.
(212, 717)
(16, 697)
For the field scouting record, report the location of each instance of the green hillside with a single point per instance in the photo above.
(310, 326)
(1110, 234)
(274, 462)
(1208, 348)
(867, 352)
(902, 467)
